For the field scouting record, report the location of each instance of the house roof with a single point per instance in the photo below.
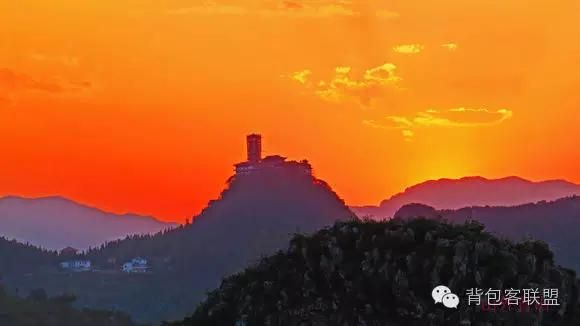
(69, 250)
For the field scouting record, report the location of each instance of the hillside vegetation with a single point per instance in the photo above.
(22, 258)
(38, 309)
(555, 222)
(382, 273)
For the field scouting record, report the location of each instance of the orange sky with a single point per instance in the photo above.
(143, 105)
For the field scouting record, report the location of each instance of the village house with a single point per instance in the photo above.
(68, 251)
(136, 265)
(76, 265)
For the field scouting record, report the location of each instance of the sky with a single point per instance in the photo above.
(143, 106)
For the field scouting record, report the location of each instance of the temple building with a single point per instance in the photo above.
(256, 163)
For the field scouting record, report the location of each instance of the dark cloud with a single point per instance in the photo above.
(292, 5)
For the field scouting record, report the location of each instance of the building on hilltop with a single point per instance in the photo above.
(254, 144)
(256, 163)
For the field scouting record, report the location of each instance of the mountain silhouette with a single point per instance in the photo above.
(557, 223)
(55, 223)
(256, 215)
(471, 191)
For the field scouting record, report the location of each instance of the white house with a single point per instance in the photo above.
(76, 265)
(136, 265)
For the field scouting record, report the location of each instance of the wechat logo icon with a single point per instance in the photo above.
(442, 294)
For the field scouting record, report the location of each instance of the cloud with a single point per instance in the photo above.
(457, 117)
(401, 121)
(309, 11)
(301, 76)
(383, 75)
(408, 48)
(286, 8)
(450, 46)
(407, 134)
(292, 5)
(69, 61)
(343, 87)
(450, 118)
(210, 8)
(12, 81)
(387, 14)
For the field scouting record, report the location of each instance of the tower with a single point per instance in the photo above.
(254, 143)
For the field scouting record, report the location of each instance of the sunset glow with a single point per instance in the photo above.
(143, 106)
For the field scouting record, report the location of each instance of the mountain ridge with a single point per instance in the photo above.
(553, 222)
(75, 202)
(40, 221)
(468, 191)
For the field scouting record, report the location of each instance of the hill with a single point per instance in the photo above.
(472, 191)
(383, 273)
(38, 309)
(256, 215)
(55, 223)
(557, 223)
(21, 258)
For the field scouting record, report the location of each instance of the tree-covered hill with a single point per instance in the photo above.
(256, 215)
(555, 222)
(21, 258)
(38, 309)
(382, 273)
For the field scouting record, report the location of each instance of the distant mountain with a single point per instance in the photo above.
(472, 191)
(382, 273)
(56, 222)
(557, 223)
(261, 209)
